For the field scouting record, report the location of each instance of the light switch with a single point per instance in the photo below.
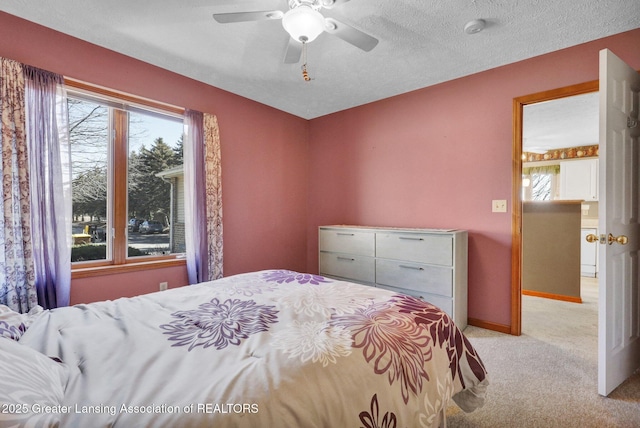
(499, 206)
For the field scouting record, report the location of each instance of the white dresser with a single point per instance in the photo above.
(426, 263)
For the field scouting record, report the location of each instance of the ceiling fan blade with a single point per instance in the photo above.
(350, 35)
(263, 15)
(330, 4)
(293, 53)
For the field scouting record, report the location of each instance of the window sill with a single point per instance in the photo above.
(86, 272)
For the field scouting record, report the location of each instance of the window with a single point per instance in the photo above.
(540, 183)
(127, 179)
(540, 187)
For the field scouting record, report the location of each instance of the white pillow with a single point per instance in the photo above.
(31, 387)
(14, 324)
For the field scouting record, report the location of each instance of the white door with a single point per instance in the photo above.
(618, 319)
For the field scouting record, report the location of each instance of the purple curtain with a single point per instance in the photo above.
(49, 187)
(195, 197)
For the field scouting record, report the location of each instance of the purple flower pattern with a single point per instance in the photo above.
(287, 276)
(219, 324)
(11, 331)
(395, 345)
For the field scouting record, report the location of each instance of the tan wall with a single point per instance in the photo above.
(551, 248)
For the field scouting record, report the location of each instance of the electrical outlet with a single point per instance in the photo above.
(499, 206)
(164, 286)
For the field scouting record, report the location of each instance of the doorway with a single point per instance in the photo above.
(517, 214)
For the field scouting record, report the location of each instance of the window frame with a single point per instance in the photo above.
(117, 204)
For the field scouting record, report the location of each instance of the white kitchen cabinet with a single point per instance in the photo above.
(427, 263)
(579, 180)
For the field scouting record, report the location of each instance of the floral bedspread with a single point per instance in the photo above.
(264, 349)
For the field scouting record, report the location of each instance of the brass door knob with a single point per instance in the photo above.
(592, 238)
(619, 239)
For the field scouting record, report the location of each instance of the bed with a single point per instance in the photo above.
(262, 349)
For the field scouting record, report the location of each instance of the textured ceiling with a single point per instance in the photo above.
(422, 43)
(565, 122)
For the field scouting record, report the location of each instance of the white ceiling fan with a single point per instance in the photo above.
(304, 22)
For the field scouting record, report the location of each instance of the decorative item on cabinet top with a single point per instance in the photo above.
(427, 263)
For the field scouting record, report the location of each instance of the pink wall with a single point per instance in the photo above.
(110, 287)
(436, 157)
(264, 155)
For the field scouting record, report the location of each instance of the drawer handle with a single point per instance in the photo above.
(410, 238)
(411, 267)
(349, 259)
(345, 233)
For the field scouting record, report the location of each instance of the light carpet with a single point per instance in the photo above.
(547, 377)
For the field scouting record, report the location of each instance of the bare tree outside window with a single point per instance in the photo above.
(154, 145)
(88, 137)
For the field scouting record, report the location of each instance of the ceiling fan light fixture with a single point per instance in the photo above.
(303, 23)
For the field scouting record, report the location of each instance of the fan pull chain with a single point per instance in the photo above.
(305, 73)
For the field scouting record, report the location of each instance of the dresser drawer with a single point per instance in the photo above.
(416, 277)
(348, 266)
(444, 303)
(347, 241)
(415, 247)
